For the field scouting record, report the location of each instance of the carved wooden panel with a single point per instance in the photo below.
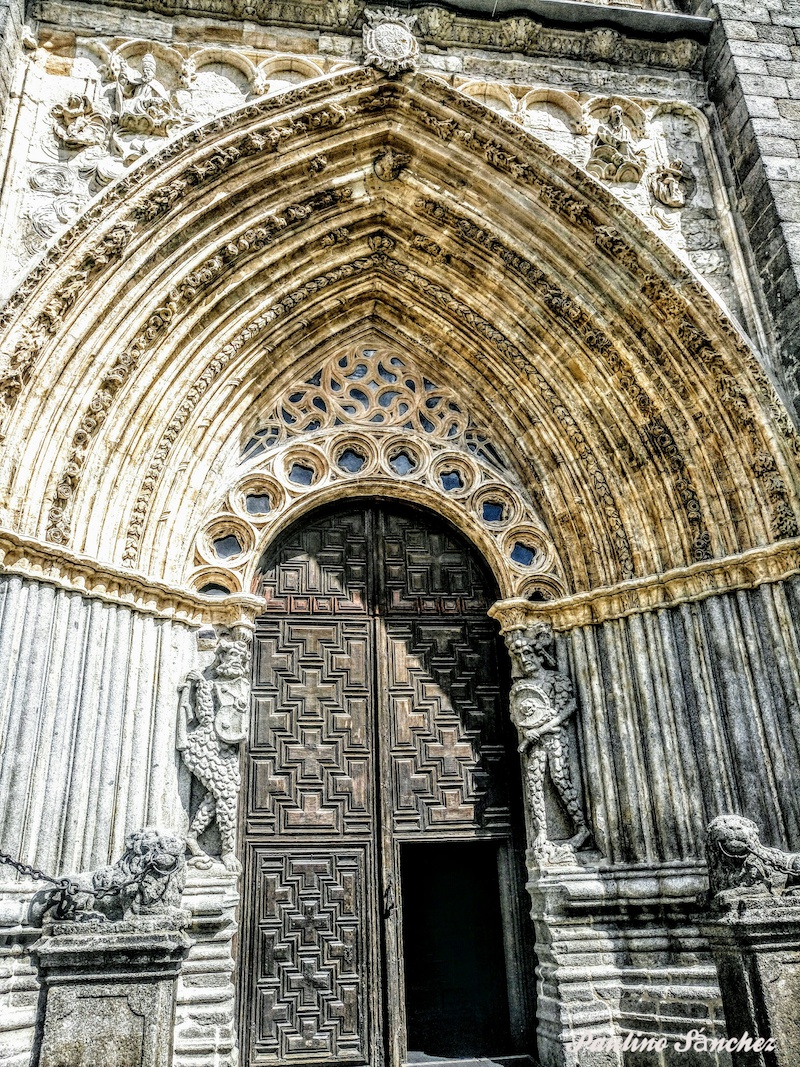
(445, 727)
(377, 715)
(310, 975)
(320, 569)
(426, 571)
(311, 738)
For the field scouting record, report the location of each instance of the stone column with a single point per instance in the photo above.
(109, 992)
(754, 931)
(756, 949)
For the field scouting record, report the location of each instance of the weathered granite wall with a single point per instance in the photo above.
(753, 71)
(88, 699)
(689, 711)
(12, 13)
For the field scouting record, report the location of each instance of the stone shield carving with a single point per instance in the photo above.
(389, 43)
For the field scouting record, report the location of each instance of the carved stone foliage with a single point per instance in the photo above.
(148, 879)
(542, 700)
(571, 207)
(389, 43)
(212, 724)
(739, 865)
(370, 415)
(249, 243)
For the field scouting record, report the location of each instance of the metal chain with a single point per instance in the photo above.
(62, 898)
(30, 871)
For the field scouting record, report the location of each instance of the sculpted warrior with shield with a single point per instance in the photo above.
(212, 723)
(542, 700)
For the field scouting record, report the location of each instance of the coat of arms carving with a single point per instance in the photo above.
(389, 43)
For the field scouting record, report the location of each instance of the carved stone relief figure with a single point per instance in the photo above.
(120, 125)
(148, 879)
(614, 157)
(212, 724)
(668, 185)
(141, 103)
(542, 700)
(739, 865)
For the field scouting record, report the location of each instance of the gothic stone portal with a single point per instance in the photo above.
(384, 917)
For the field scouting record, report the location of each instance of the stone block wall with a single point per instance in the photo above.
(12, 13)
(753, 72)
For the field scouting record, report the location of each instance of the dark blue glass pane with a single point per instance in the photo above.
(522, 554)
(212, 589)
(258, 503)
(402, 463)
(301, 474)
(492, 512)
(451, 480)
(352, 461)
(228, 546)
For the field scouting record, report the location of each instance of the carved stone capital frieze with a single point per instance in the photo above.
(682, 585)
(41, 561)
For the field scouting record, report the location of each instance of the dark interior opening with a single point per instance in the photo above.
(455, 969)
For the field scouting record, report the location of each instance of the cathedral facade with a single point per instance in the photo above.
(399, 496)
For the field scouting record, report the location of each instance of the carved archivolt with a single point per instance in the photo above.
(370, 422)
(531, 329)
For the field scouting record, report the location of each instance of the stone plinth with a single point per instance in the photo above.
(756, 947)
(109, 992)
(620, 956)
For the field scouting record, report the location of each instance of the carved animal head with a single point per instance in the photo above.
(734, 835)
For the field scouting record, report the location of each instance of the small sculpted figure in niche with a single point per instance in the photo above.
(77, 124)
(614, 157)
(668, 184)
(212, 724)
(141, 103)
(542, 700)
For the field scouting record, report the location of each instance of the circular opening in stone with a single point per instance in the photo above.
(258, 503)
(523, 554)
(451, 479)
(351, 461)
(402, 463)
(227, 547)
(302, 474)
(213, 589)
(493, 511)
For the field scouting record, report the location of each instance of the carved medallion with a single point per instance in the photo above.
(389, 43)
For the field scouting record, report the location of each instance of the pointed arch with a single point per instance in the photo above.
(635, 410)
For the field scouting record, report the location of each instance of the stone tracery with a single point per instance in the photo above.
(370, 418)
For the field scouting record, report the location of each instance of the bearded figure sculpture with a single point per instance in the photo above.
(542, 699)
(212, 724)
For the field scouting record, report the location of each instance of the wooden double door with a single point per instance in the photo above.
(384, 918)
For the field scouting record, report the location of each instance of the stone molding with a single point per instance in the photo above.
(681, 585)
(535, 28)
(42, 561)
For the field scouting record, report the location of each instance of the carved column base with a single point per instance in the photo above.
(621, 956)
(109, 992)
(756, 947)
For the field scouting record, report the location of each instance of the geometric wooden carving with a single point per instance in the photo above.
(309, 980)
(378, 716)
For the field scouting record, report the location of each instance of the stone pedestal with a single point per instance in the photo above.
(623, 971)
(109, 992)
(756, 947)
